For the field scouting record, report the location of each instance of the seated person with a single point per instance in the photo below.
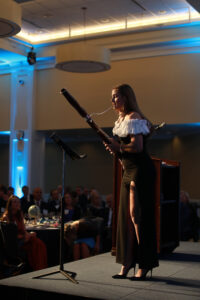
(55, 202)
(34, 248)
(96, 208)
(39, 201)
(189, 222)
(83, 237)
(82, 199)
(72, 211)
(10, 191)
(10, 263)
(3, 198)
(26, 200)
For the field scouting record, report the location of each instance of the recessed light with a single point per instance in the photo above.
(48, 15)
(104, 20)
(162, 12)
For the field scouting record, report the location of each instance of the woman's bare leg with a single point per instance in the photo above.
(76, 251)
(85, 252)
(134, 210)
(132, 229)
(134, 213)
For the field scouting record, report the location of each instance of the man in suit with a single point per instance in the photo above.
(39, 201)
(26, 200)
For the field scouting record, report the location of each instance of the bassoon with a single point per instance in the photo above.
(86, 116)
(91, 122)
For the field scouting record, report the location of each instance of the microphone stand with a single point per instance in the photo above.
(73, 155)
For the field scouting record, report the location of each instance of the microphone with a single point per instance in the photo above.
(65, 147)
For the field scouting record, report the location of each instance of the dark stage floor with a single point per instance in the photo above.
(178, 277)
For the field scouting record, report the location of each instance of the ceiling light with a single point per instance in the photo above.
(162, 12)
(82, 58)
(10, 18)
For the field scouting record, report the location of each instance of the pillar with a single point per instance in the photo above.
(26, 160)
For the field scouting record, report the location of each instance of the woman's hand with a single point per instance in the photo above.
(113, 147)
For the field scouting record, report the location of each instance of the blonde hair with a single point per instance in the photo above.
(70, 233)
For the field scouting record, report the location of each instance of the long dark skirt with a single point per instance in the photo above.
(141, 171)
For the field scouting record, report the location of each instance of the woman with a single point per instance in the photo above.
(71, 212)
(83, 236)
(96, 208)
(136, 237)
(34, 248)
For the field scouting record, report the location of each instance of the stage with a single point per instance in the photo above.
(177, 277)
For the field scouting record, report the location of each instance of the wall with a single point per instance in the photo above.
(97, 169)
(94, 171)
(5, 102)
(167, 89)
(4, 163)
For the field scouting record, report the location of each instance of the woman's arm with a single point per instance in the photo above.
(135, 145)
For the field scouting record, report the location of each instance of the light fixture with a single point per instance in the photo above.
(10, 18)
(82, 57)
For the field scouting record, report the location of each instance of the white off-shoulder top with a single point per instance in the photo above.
(131, 126)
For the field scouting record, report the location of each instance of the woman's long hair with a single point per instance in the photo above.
(131, 101)
(8, 211)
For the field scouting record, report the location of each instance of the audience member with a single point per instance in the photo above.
(82, 199)
(72, 211)
(96, 208)
(55, 202)
(39, 201)
(189, 222)
(83, 237)
(60, 191)
(10, 263)
(26, 200)
(34, 248)
(86, 192)
(3, 198)
(10, 191)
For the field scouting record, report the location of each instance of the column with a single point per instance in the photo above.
(26, 145)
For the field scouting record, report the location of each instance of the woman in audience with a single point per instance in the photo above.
(34, 248)
(72, 211)
(97, 206)
(83, 236)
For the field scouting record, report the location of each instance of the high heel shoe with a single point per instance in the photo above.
(123, 276)
(142, 277)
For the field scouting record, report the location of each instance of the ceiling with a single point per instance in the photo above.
(46, 20)
(50, 22)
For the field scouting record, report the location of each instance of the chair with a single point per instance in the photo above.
(9, 241)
